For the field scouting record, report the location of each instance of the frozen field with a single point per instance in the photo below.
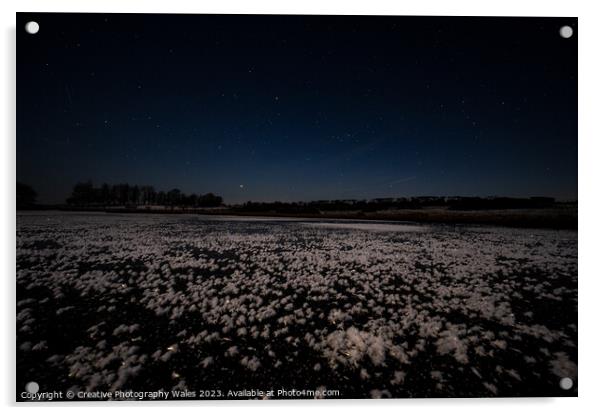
(175, 302)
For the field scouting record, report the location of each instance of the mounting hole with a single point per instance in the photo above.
(32, 387)
(566, 31)
(32, 27)
(566, 383)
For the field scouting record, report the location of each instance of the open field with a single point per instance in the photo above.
(562, 216)
(371, 309)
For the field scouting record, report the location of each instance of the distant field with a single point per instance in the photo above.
(559, 217)
(552, 218)
(371, 309)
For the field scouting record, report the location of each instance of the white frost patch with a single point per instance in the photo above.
(375, 227)
(350, 296)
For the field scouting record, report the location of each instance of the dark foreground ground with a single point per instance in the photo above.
(212, 305)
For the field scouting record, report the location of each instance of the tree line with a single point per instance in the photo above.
(374, 205)
(85, 194)
(124, 194)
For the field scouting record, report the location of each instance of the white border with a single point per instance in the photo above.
(590, 136)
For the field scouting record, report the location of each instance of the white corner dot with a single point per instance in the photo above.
(566, 31)
(566, 383)
(32, 387)
(32, 28)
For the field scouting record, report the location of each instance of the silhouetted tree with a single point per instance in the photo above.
(210, 200)
(83, 194)
(105, 194)
(135, 195)
(173, 197)
(124, 194)
(147, 195)
(26, 196)
(161, 198)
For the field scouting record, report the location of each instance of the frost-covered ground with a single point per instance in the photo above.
(149, 302)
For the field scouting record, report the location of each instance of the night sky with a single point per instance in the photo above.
(296, 108)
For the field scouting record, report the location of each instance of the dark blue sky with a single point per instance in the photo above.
(298, 107)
